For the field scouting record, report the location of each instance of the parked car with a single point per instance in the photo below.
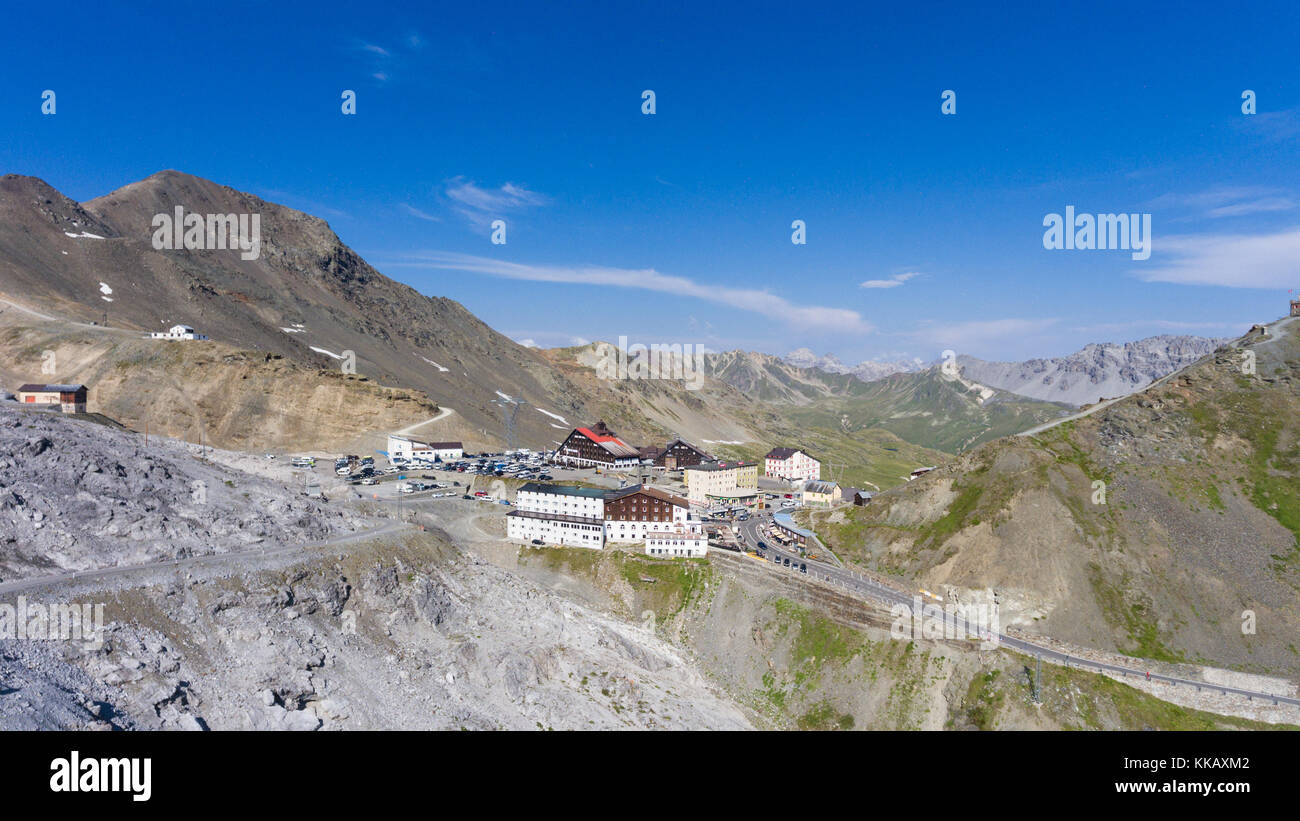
(369, 480)
(803, 567)
(538, 541)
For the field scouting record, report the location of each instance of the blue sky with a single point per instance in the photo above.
(676, 226)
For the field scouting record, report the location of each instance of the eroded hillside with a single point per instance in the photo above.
(1164, 525)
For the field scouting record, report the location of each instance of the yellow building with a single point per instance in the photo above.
(820, 494)
(718, 479)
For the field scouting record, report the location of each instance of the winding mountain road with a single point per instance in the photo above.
(260, 553)
(870, 588)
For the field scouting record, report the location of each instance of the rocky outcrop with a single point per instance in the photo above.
(1098, 371)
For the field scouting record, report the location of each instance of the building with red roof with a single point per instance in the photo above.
(597, 446)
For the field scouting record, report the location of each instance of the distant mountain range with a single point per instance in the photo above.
(1104, 370)
(1099, 371)
(867, 371)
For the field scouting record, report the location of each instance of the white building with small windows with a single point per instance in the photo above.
(178, 332)
(591, 517)
(683, 539)
(791, 464)
(558, 515)
(401, 447)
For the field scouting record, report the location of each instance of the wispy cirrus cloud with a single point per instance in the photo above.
(755, 301)
(1171, 325)
(386, 60)
(1271, 126)
(893, 282)
(417, 213)
(1258, 206)
(481, 205)
(1224, 201)
(1229, 260)
(977, 333)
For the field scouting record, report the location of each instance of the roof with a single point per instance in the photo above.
(786, 521)
(786, 453)
(611, 443)
(32, 387)
(563, 490)
(733, 493)
(729, 465)
(653, 492)
(680, 441)
(819, 486)
(446, 446)
(555, 517)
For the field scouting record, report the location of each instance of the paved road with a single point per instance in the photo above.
(866, 586)
(443, 413)
(260, 552)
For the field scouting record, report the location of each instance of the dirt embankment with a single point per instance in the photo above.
(207, 391)
(807, 656)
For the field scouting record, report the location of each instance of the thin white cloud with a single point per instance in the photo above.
(416, 212)
(482, 205)
(1229, 260)
(892, 282)
(648, 279)
(1127, 328)
(1254, 207)
(1226, 201)
(977, 332)
(374, 49)
(1271, 126)
(527, 343)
